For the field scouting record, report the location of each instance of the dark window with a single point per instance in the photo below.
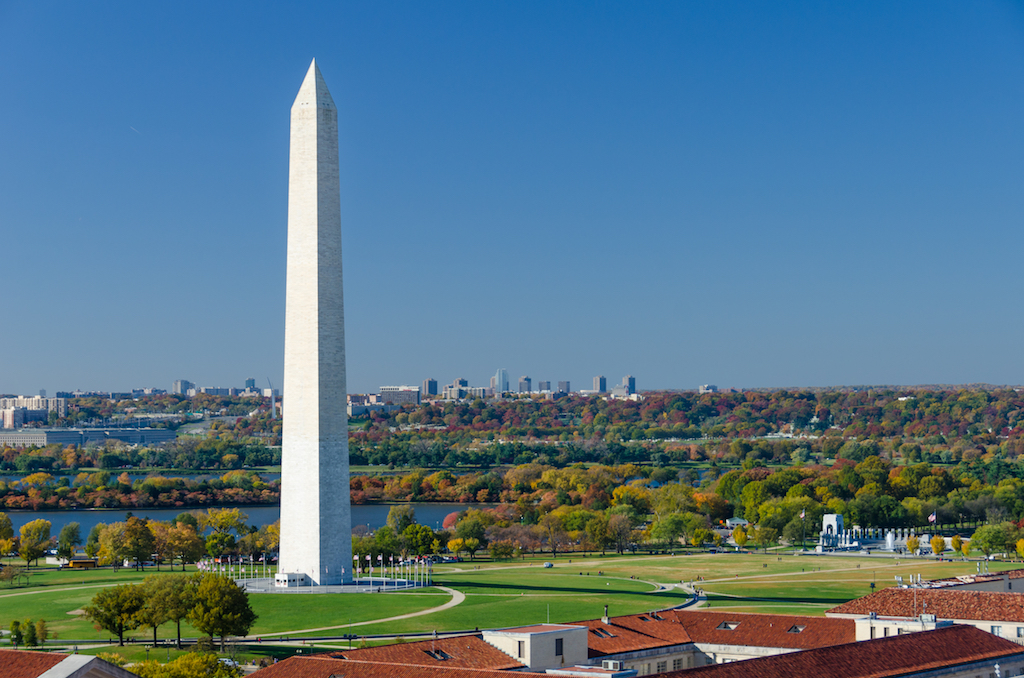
(558, 647)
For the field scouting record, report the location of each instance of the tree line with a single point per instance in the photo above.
(212, 603)
(138, 541)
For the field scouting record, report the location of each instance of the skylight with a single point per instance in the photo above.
(727, 626)
(796, 629)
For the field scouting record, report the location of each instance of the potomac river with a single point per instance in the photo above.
(371, 515)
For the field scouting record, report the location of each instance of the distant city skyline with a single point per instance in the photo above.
(753, 196)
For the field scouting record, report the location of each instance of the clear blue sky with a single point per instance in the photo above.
(747, 194)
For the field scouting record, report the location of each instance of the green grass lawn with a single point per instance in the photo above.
(295, 611)
(500, 594)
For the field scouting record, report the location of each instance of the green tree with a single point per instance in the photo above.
(763, 536)
(401, 516)
(669, 529)
(220, 608)
(190, 665)
(225, 521)
(471, 528)
(188, 546)
(92, 543)
(31, 639)
(619, 530)
(6, 527)
(113, 545)
(701, 536)
(176, 596)
(502, 550)
(154, 610)
(471, 545)
(418, 539)
(42, 632)
(116, 609)
(218, 543)
(70, 536)
(991, 539)
(35, 539)
(139, 541)
(17, 636)
(597, 532)
(793, 532)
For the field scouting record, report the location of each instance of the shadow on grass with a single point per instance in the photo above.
(468, 584)
(716, 598)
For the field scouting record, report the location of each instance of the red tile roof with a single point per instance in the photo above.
(469, 652)
(765, 630)
(662, 626)
(635, 632)
(325, 667)
(612, 638)
(909, 654)
(22, 664)
(943, 603)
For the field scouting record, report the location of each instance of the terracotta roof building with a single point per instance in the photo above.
(952, 652)
(899, 610)
(469, 652)
(23, 664)
(325, 667)
(680, 639)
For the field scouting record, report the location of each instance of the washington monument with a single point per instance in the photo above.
(316, 520)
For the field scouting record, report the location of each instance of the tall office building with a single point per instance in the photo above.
(500, 381)
(250, 384)
(600, 384)
(563, 387)
(182, 387)
(543, 385)
(400, 395)
(430, 387)
(524, 384)
(630, 383)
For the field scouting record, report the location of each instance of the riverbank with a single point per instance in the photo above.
(371, 515)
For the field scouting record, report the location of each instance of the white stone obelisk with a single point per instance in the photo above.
(316, 519)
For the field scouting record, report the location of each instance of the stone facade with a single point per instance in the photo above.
(316, 522)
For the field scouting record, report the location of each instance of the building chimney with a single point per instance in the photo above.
(604, 619)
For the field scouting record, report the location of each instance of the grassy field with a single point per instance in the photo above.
(514, 593)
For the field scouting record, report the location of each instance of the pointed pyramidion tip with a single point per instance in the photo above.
(314, 89)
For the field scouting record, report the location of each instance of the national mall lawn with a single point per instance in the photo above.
(498, 594)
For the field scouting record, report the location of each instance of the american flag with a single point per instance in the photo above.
(931, 518)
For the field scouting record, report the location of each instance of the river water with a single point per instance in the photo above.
(371, 515)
